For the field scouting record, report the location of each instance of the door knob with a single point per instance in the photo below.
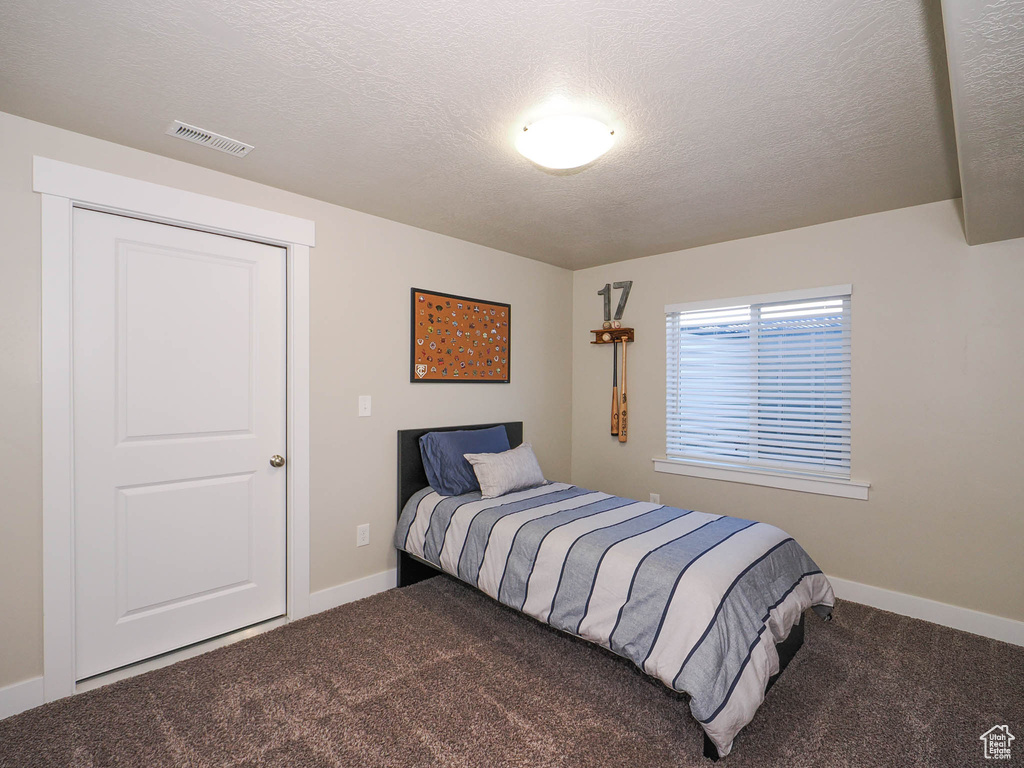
(276, 460)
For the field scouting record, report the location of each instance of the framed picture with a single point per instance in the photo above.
(456, 339)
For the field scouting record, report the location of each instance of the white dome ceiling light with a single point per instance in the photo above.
(564, 141)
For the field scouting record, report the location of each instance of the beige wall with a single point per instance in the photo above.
(362, 269)
(938, 399)
(938, 421)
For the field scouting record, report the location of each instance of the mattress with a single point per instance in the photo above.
(695, 600)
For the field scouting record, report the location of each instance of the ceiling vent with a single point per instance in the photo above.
(209, 139)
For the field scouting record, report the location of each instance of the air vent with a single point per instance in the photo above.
(209, 139)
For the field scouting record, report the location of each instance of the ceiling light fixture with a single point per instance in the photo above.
(564, 141)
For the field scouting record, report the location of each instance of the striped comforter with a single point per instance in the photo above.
(695, 600)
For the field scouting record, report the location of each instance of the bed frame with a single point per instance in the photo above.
(411, 569)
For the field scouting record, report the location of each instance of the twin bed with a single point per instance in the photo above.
(710, 605)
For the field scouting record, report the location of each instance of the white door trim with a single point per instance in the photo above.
(64, 186)
(143, 199)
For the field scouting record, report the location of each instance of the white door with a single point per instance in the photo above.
(179, 405)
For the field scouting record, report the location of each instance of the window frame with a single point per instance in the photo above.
(809, 481)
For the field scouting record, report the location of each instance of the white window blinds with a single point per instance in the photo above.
(761, 381)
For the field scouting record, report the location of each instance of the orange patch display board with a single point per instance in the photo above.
(459, 339)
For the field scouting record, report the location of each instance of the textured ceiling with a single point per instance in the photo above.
(986, 56)
(732, 118)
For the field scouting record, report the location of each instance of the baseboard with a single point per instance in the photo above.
(22, 696)
(19, 697)
(15, 699)
(976, 622)
(350, 591)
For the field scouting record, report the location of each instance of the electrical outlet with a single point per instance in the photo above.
(655, 498)
(362, 535)
(364, 405)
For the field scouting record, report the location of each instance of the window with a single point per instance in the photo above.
(761, 384)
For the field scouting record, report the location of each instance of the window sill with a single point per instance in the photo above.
(805, 483)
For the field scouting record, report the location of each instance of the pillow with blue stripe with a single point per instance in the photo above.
(444, 461)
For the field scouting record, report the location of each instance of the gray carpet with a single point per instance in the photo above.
(438, 675)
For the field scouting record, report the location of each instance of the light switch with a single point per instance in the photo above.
(364, 405)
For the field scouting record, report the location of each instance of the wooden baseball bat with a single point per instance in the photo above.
(615, 389)
(622, 397)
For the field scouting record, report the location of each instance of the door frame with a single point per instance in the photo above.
(64, 187)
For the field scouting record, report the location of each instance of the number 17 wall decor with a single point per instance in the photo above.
(459, 339)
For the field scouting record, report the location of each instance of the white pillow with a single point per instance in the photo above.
(501, 473)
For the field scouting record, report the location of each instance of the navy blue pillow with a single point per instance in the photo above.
(447, 470)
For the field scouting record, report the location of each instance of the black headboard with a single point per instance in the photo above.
(412, 477)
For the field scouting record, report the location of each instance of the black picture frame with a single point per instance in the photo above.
(413, 314)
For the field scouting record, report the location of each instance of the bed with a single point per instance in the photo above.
(710, 605)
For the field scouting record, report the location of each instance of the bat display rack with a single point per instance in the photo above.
(620, 408)
(615, 334)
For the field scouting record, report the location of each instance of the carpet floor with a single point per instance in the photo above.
(439, 675)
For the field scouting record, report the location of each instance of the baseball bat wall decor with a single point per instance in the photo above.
(615, 389)
(612, 332)
(622, 398)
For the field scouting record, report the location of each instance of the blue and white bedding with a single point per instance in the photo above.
(696, 600)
